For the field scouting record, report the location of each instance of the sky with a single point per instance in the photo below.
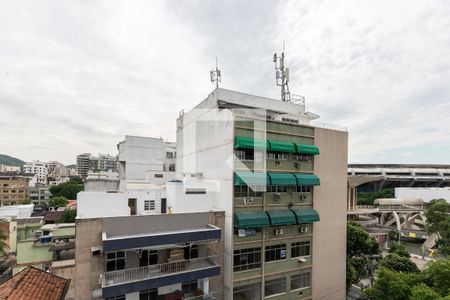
(77, 76)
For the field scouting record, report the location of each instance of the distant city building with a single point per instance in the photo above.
(39, 168)
(13, 188)
(53, 167)
(101, 163)
(40, 194)
(83, 164)
(6, 168)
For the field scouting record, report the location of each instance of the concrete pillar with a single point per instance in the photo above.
(205, 285)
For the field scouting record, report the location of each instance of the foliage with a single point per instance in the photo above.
(360, 265)
(10, 161)
(58, 201)
(26, 201)
(399, 249)
(69, 189)
(359, 242)
(76, 179)
(423, 292)
(437, 276)
(394, 235)
(3, 245)
(352, 275)
(398, 263)
(369, 198)
(392, 285)
(438, 221)
(68, 216)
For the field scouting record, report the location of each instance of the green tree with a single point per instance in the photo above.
(352, 275)
(394, 235)
(68, 216)
(397, 263)
(26, 201)
(399, 249)
(438, 221)
(369, 198)
(437, 276)
(69, 189)
(359, 242)
(57, 202)
(423, 292)
(76, 179)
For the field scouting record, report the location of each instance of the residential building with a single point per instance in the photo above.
(83, 164)
(281, 179)
(103, 163)
(53, 167)
(13, 188)
(39, 168)
(33, 283)
(39, 194)
(6, 168)
(172, 256)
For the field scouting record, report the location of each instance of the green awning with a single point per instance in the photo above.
(281, 146)
(251, 219)
(281, 217)
(307, 149)
(249, 143)
(307, 215)
(307, 179)
(282, 179)
(250, 178)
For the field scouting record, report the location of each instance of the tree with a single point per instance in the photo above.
(398, 263)
(423, 292)
(26, 201)
(438, 221)
(394, 235)
(68, 216)
(352, 275)
(369, 198)
(57, 202)
(399, 249)
(437, 276)
(76, 179)
(3, 245)
(69, 189)
(359, 242)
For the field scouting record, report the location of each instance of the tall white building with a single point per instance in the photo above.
(39, 168)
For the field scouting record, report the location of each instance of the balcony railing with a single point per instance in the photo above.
(153, 271)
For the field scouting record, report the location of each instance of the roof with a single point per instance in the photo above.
(398, 201)
(32, 283)
(53, 215)
(400, 166)
(31, 220)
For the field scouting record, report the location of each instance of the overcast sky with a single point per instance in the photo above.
(76, 76)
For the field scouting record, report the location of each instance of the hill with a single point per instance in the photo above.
(10, 161)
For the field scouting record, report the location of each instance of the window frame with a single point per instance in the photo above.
(254, 253)
(301, 249)
(307, 274)
(276, 282)
(116, 260)
(274, 252)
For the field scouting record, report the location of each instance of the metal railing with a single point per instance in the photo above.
(159, 270)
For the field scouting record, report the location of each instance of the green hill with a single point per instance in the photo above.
(11, 161)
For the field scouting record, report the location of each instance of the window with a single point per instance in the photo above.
(244, 154)
(121, 297)
(172, 168)
(275, 252)
(275, 286)
(149, 205)
(189, 287)
(300, 281)
(159, 176)
(301, 249)
(277, 156)
(195, 191)
(169, 154)
(277, 188)
(193, 251)
(148, 257)
(247, 292)
(246, 191)
(247, 259)
(303, 157)
(304, 189)
(115, 261)
(148, 294)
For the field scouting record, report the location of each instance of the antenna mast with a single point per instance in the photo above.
(282, 76)
(215, 74)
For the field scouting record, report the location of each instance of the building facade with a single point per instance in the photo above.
(103, 163)
(83, 164)
(176, 256)
(6, 168)
(14, 188)
(281, 180)
(39, 168)
(39, 194)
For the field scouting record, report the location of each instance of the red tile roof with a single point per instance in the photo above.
(32, 283)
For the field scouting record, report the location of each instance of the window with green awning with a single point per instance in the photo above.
(251, 178)
(307, 179)
(307, 215)
(249, 143)
(251, 219)
(307, 149)
(278, 146)
(281, 217)
(282, 179)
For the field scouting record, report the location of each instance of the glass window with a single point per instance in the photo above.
(149, 205)
(275, 286)
(159, 176)
(300, 281)
(277, 188)
(148, 294)
(169, 154)
(246, 191)
(172, 168)
(115, 261)
(189, 287)
(148, 257)
(244, 154)
(303, 157)
(275, 252)
(304, 189)
(301, 249)
(194, 191)
(193, 251)
(247, 259)
(247, 292)
(276, 155)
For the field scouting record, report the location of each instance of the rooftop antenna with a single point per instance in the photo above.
(282, 76)
(215, 74)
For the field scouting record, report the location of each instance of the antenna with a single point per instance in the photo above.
(282, 76)
(215, 74)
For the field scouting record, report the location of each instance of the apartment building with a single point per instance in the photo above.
(102, 162)
(6, 168)
(39, 168)
(83, 164)
(281, 179)
(39, 194)
(13, 188)
(172, 256)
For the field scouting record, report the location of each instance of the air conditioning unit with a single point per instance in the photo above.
(302, 197)
(297, 165)
(303, 229)
(248, 200)
(277, 196)
(278, 231)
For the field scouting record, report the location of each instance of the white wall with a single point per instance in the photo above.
(17, 211)
(427, 194)
(100, 204)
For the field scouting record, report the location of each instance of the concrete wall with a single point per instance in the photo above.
(88, 267)
(99, 204)
(101, 185)
(329, 239)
